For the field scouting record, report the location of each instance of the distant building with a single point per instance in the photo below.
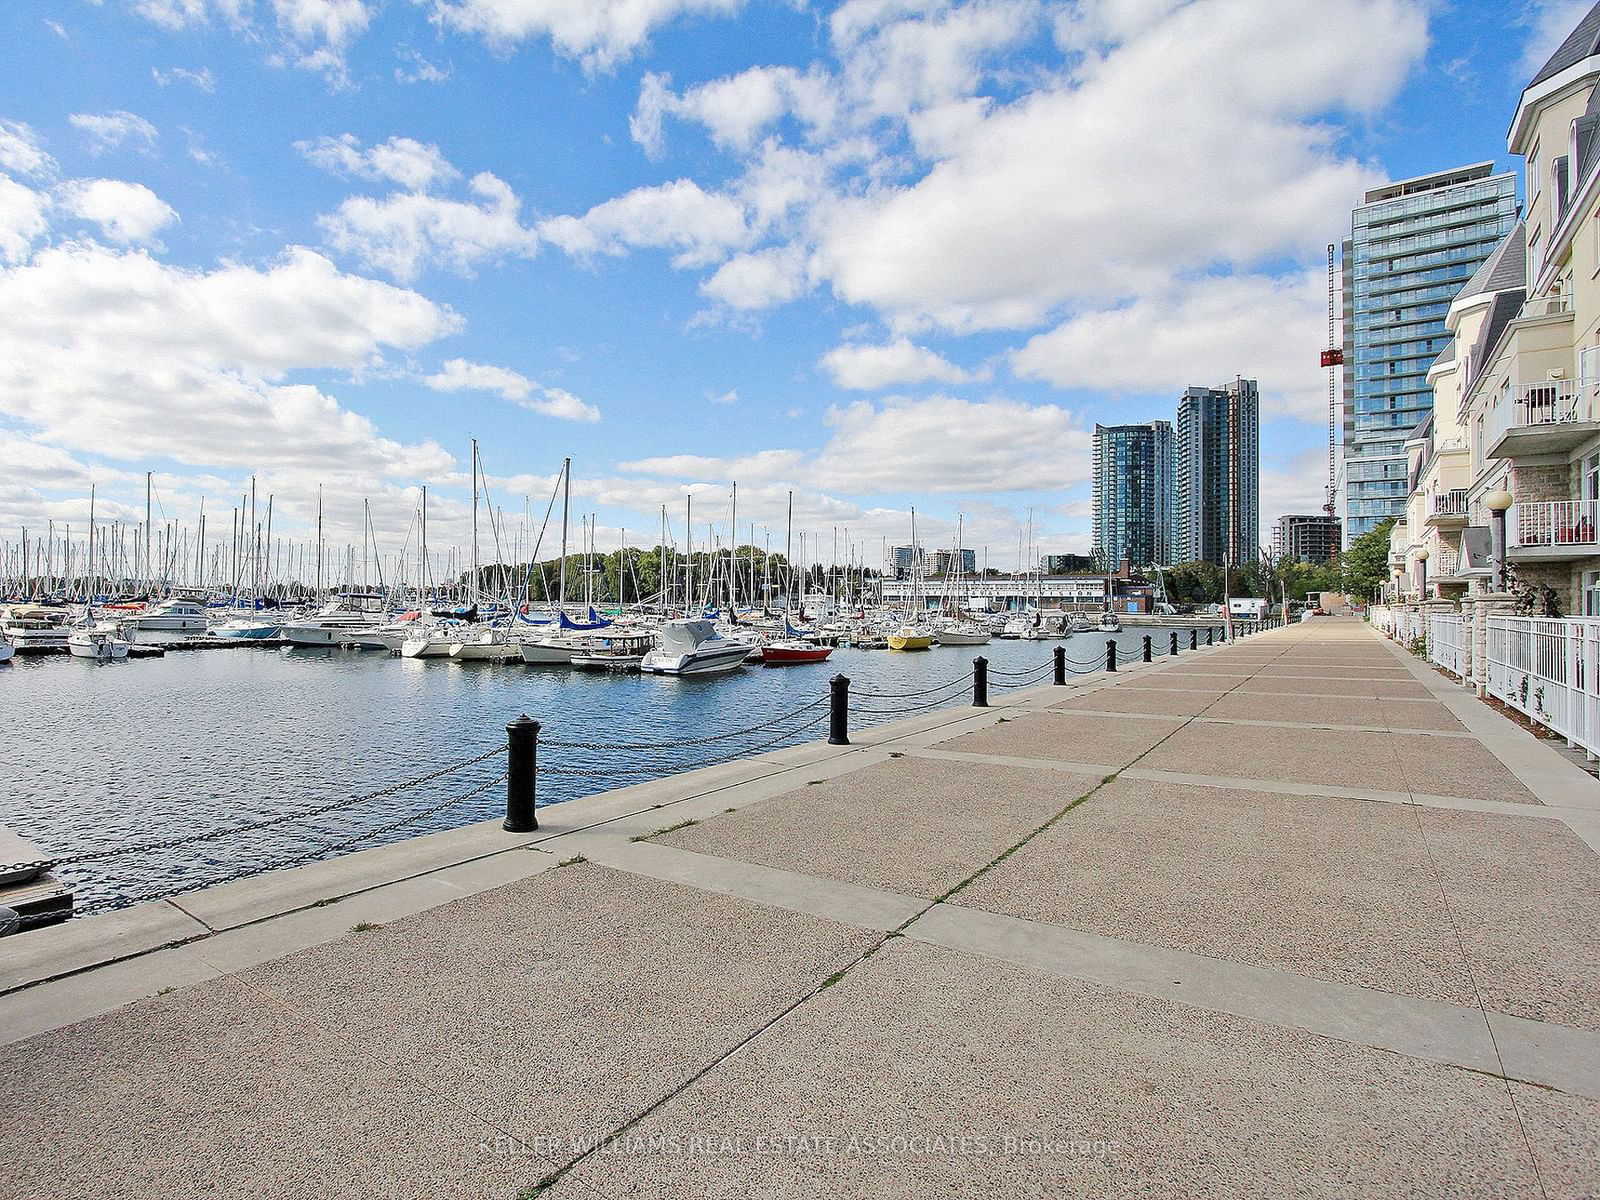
(946, 562)
(1217, 476)
(903, 558)
(1412, 245)
(1132, 493)
(1068, 564)
(1308, 538)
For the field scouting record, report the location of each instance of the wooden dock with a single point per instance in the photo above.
(28, 888)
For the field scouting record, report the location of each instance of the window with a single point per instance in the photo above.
(1589, 478)
(1591, 593)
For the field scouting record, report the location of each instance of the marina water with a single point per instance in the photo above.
(100, 755)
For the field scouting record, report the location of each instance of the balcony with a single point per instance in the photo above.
(1449, 509)
(1545, 306)
(1442, 563)
(1553, 530)
(1550, 417)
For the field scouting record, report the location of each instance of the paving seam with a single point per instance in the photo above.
(1144, 716)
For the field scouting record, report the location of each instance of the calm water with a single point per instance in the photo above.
(99, 755)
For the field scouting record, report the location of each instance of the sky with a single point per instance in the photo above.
(881, 254)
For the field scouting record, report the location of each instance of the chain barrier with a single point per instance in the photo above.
(554, 744)
(186, 839)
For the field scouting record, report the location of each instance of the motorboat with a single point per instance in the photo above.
(30, 627)
(172, 615)
(103, 642)
(1021, 625)
(962, 634)
(793, 650)
(619, 652)
(693, 648)
(6, 649)
(351, 613)
(1109, 622)
(245, 629)
(1080, 622)
(911, 636)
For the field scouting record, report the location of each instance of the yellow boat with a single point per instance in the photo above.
(911, 637)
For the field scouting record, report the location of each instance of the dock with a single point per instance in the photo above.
(1295, 915)
(28, 888)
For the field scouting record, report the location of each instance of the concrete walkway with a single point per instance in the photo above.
(1295, 916)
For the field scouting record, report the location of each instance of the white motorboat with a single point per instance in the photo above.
(1109, 622)
(1021, 625)
(28, 627)
(351, 613)
(172, 615)
(693, 648)
(245, 629)
(102, 642)
(1080, 623)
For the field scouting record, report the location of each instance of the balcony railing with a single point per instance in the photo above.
(1442, 562)
(1549, 403)
(1554, 523)
(1546, 306)
(1450, 504)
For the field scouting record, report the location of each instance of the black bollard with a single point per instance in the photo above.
(1147, 647)
(980, 682)
(1194, 639)
(1111, 654)
(1209, 632)
(522, 766)
(1174, 647)
(839, 710)
(1061, 666)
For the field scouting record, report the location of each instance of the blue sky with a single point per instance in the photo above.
(883, 254)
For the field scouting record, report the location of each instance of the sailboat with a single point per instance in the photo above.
(954, 631)
(915, 633)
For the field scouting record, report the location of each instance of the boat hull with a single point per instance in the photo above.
(775, 656)
(103, 649)
(542, 655)
(698, 662)
(909, 641)
(246, 633)
(961, 637)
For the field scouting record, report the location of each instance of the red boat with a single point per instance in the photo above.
(781, 654)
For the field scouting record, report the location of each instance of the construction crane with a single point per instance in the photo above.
(1332, 359)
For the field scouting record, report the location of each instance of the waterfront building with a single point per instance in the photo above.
(1306, 537)
(996, 593)
(1516, 393)
(1412, 246)
(903, 558)
(1068, 564)
(1217, 474)
(946, 562)
(1131, 494)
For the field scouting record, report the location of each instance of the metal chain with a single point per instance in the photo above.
(714, 737)
(172, 843)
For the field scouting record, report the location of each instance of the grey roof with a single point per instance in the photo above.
(1448, 354)
(1504, 310)
(1506, 268)
(1581, 43)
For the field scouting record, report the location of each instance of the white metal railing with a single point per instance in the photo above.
(1450, 504)
(1442, 562)
(1554, 523)
(1381, 618)
(1548, 669)
(1446, 642)
(1550, 402)
(1546, 306)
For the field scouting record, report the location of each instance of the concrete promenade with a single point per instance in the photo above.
(1295, 916)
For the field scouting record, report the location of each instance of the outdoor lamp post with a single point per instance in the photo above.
(1422, 574)
(1497, 503)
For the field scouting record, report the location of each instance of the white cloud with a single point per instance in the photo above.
(1199, 332)
(731, 396)
(129, 213)
(1548, 23)
(416, 166)
(107, 131)
(1297, 485)
(201, 78)
(459, 375)
(736, 109)
(313, 33)
(116, 354)
(937, 445)
(404, 232)
(759, 280)
(867, 368)
(600, 33)
(21, 152)
(22, 219)
(419, 69)
(702, 227)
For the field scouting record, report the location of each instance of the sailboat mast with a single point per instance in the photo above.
(319, 542)
(733, 555)
(149, 571)
(90, 573)
(474, 520)
(566, 501)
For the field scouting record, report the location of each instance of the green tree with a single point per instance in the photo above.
(1365, 566)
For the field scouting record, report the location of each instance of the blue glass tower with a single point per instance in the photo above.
(1412, 245)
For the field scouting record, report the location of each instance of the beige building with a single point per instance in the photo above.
(1517, 390)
